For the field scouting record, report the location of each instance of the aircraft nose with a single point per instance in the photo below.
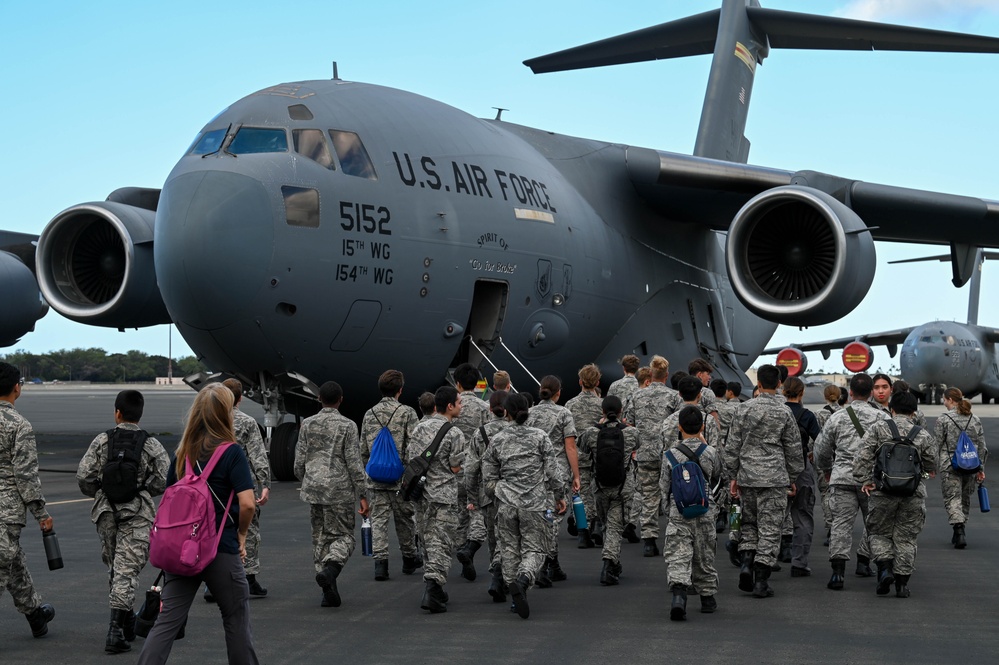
(928, 364)
(213, 242)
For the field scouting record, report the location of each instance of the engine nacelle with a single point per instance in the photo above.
(797, 256)
(95, 265)
(795, 361)
(22, 305)
(857, 357)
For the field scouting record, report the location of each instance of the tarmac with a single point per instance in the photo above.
(952, 616)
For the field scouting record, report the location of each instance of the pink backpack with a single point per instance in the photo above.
(184, 540)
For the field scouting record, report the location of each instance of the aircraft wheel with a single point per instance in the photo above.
(922, 397)
(283, 443)
(985, 399)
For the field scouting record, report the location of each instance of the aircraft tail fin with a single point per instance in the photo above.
(740, 35)
(967, 263)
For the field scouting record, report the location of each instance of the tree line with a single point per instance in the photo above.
(98, 366)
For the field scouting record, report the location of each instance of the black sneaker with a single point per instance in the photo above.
(255, 588)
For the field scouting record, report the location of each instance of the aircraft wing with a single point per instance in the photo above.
(891, 338)
(709, 191)
(21, 245)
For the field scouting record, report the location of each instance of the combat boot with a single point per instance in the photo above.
(650, 549)
(410, 564)
(465, 556)
(785, 549)
(732, 547)
(864, 567)
(597, 533)
(555, 572)
(570, 525)
(434, 598)
(630, 534)
(381, 570)
(885, 577)
(607, 576)
(746, 578)
(116, 642)
(255, 588)
(616, 569)
(708, 605)
(128, 625)
(519, 592)
(678, 608)
(839, 574)
(542, 581)
(762, 588)
(959, 542)
(497, 587)
(901, 586)
(39, 619)
(583, 540)
(326, 579)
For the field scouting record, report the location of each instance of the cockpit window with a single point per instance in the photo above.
(353, 157)
(208, 142)
(250, 140)
(301, 206)
(299, 112)
(312, 144)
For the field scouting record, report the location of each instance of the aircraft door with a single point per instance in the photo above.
(485, 321)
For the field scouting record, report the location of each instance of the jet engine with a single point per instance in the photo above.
(797, 256)
(95, 265)
(22, 305)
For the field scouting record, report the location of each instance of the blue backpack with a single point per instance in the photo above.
(965, 459)
(384, 465)
(687, 484)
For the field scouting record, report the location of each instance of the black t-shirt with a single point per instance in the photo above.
(231, 474)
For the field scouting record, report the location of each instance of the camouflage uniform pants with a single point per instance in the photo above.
(826, 508)
(845, 501)
(893, 523)
(252, 562)
(587, 489)
(125, 551)
(957, 489)
(523, 541)
(332, 533)
(385, 504)
(648, 485)
(689, 552)
(438, 527)
(763, 510)
(476, 527)
(487, 514)
(802, 510)
(633, 500)
(14, 575)
(610, 511)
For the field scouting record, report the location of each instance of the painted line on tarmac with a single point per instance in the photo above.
(59, 503)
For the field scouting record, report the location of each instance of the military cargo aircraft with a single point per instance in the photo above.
(332, 229)
(935, 355)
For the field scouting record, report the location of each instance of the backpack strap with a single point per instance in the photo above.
(856, 421)
(829, 408)
(390, 417)
(216, 456)
(893, 428)
(693, 456)
(431, 452)
(485, 437)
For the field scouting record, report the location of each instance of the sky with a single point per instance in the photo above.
(103, 94)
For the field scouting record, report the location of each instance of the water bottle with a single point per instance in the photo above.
(579, 511)
(983, 498)
(52, 551)
(550, 516)
(735, 517)
(366, 537)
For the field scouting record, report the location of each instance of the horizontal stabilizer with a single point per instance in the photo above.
(992, 256)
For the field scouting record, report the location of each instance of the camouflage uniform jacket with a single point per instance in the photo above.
(473, 461)
(442, 485)
(726, 411)
(20, 486)
(823, 414)
(669, 433)
(764, 446)
(401, 420)
(649, 408)
(587, 410)
(948, 428)
(587, 445)
(153, 465)
(248, 436)
(711, 466)
(474, 413)
(555, 421)
(838, 442)
(328, 459)
(623, 388)
(519, 468)
(878, 435)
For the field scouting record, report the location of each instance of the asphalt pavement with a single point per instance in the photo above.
(952, 616)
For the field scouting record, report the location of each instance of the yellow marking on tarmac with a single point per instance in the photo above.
(59, 503)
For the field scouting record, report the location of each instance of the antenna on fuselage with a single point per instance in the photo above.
(336, 75)
(499, 112)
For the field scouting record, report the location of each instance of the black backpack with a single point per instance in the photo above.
(897, 467)
(608, 458)
(120, 475)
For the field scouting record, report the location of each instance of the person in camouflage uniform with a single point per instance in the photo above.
(328, 462)
(556, 421)
(802, 506)
(474, 413)
(702, 370)
(689, 547)
(902, 386)
(586, 411)
(248, 436)
(437, 509)
(725, 410)
(835, 451)
(649, 408)
(478, 499)
(123, 528)
(611, 499)
(894, 522)
(633, 502)
(881, 393)
(831, 395)
(521, 470)
(20, 491)
(689, 393)
(384, 498)
(957, 487)
(624, 387)
(763, 458)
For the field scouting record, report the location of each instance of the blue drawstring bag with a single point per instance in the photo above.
(384, 465)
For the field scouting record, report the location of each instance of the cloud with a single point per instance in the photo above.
(878, 10)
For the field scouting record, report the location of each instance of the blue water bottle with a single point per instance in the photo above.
(983, 498)
(579, 511)
(366, 537)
